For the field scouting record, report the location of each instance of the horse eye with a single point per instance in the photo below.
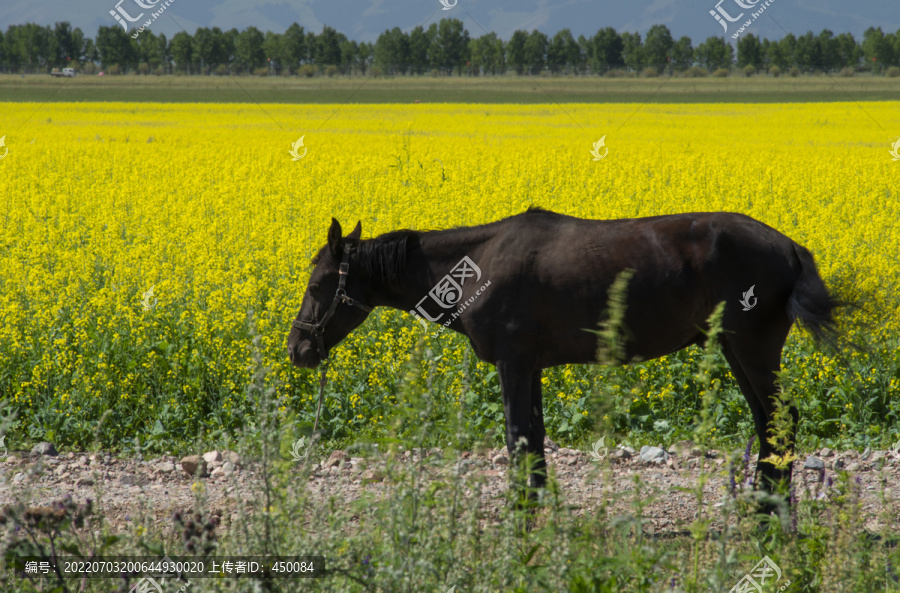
(313, 286)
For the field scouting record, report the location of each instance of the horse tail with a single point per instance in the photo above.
(810, 303)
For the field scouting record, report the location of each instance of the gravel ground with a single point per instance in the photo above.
(123, 489)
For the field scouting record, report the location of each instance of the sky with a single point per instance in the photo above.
(364, 20)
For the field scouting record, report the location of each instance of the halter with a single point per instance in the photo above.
(340, 296)
(318, 328)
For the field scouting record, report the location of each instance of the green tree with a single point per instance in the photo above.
(749, 51)
(658, 47)
(682, 54)
(419, 42)
(563, 52)
(515, 51)
(328, 47)
(714, 53)
(115, 47)
(633, 51)
(449, 48)
(248, 50)
(274, 51)
(536, 51)
(294, 46)
(877, 49)
(391, 51)
(849, 52)
(487, 54)
(605, 51)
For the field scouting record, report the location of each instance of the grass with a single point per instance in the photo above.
(403, 89)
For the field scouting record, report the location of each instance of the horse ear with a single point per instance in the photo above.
(334, 237)
(356, 233)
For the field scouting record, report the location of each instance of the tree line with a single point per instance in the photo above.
(445, 47)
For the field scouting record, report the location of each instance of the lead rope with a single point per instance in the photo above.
(322, 380)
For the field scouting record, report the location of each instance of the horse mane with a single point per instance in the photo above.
(384, 257)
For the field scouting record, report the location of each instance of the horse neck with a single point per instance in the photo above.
(435, 256)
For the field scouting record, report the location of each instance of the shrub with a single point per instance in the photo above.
(114, 69)
(847, 72)
(775, 71)
(435, 73)
(795, 72)
(892, 72)
(331, 71)
(749, 70)
(376, 71)
(261, 71)
(649, 73)
(616, 73)
(88, 68)
(307, 70)
(144, 68)
(159, 71)
(695, 72)
(720, 72)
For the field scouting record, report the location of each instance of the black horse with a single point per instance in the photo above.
(525, 288)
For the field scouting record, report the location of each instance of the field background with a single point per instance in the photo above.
(202, 202)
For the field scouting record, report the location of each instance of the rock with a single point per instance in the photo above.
(550, 445)
(500, 459)
(697, 452)
(44, 450)
(217, 473)
(465, 454)
(130, 480)
(84, 482)
(215, 464)
(228, 468)
(653, 454)
(838, 464)
(233, 457)
(18, 478)
(849, 454)
(619, 455)
(629, 450)
(61, 469)
(83, 460)
(825, 452)
(372, 475)
(854, 467)
(865, 454)
(165, 467)
(194, 465)
(212, 456)
(814, 463)
(336, 459)
(877, 456)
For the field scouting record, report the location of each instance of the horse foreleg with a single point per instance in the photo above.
(523, 409)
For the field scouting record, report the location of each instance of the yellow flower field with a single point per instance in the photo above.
(204, 203)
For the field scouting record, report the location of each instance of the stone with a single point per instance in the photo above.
(682, 448)
(550, 445)
(865, 454)
(653, 454)
(165, 467)
(372, 475)
(838, 464)
(218, 472)
(813, 463)
(697, 452)
(854, 467)
(228, 468)
(212, 456)
(825, 452)
(84, 482)
(194, 465)
(629, 450)
(61, 469)
(83, 460)
(44, 450)
(336, 458)
(18, 478)
(500, 459)
(233, 457)
(130, 480)
(849, 454)
(619, 455)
